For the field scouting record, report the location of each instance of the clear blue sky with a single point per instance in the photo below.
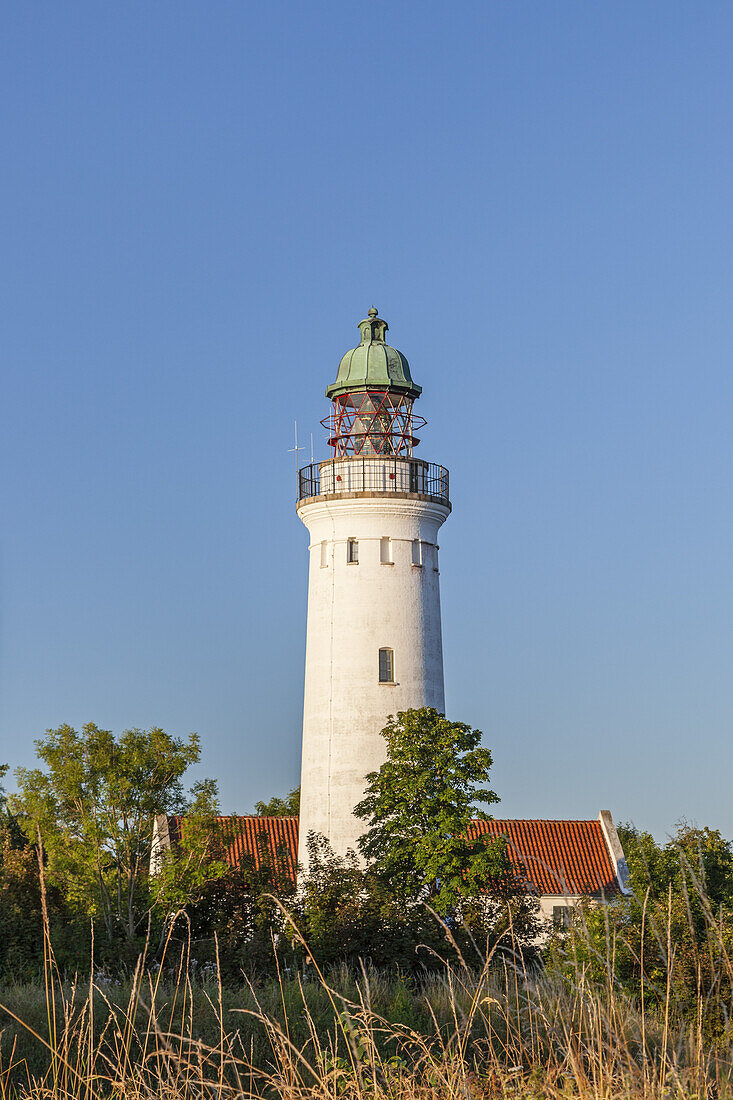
(198, 203)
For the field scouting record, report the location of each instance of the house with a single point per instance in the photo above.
(562, 861)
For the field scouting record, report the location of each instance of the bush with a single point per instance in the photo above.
(672, 939)
(346, 913)
(21, 912)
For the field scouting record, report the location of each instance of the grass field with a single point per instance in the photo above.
(459, 1033)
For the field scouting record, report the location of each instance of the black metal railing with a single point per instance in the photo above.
(375, 473)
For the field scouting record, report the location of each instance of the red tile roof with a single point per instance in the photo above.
(274, 839)
(557, 857)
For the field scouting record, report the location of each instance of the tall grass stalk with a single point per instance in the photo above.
(476, 1033)
(455, 1032)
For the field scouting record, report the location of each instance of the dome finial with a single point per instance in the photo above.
(373, 327)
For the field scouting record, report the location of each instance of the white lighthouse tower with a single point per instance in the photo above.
(374, 644)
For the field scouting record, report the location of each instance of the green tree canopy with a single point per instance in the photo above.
(94, 806)
(418, 808)
(694, 853)
(682, 898)
(280, 807)
(185, 871)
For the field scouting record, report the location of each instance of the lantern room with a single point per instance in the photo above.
(373, 398)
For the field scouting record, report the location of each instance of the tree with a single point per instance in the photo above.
(347, 913)
(196, 858)
(22, 905)
(418, 808)
(280, 807)
(240, 909)
(229, 902)
(682, 898)
(94, 808)
(8, 824)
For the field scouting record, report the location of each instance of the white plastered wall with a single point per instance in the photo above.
(160, 843)
(353, 611)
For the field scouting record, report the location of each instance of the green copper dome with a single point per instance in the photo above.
(373, 364)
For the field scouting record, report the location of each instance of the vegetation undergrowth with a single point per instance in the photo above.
(457, 1031)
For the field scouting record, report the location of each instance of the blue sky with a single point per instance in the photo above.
(198, 203)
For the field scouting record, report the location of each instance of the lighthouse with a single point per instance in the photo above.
(373, 645)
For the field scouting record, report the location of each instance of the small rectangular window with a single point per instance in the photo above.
(386, 666)
(561, 916)
(416, 552)
(352, 551)
(385, 551)
(324, 555)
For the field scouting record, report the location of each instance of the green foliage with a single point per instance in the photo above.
(674, 935)
(695, 857)
(185, 871)
(10, 831)
(239, 908)
(9, 827)
(233, 906)
(21, 905)
(418, 808)
(21, 912)
(348, 913)
(94, 808)
(341, 910)
(280, 807)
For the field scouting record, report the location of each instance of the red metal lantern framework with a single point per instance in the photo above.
(373, 422)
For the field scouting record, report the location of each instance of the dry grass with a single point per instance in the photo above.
(462, 1033)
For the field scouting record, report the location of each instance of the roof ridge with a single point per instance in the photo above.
(474, 820)
(543, 820)
(257, 817)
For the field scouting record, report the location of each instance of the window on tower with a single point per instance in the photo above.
(324, 554)
(386, 666)
(352, 551)
(385, 551)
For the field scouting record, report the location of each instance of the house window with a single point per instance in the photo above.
(416, 552)
(561, 916)
(352, 551)
(324, 555)
(386, 666)
(385, 551)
